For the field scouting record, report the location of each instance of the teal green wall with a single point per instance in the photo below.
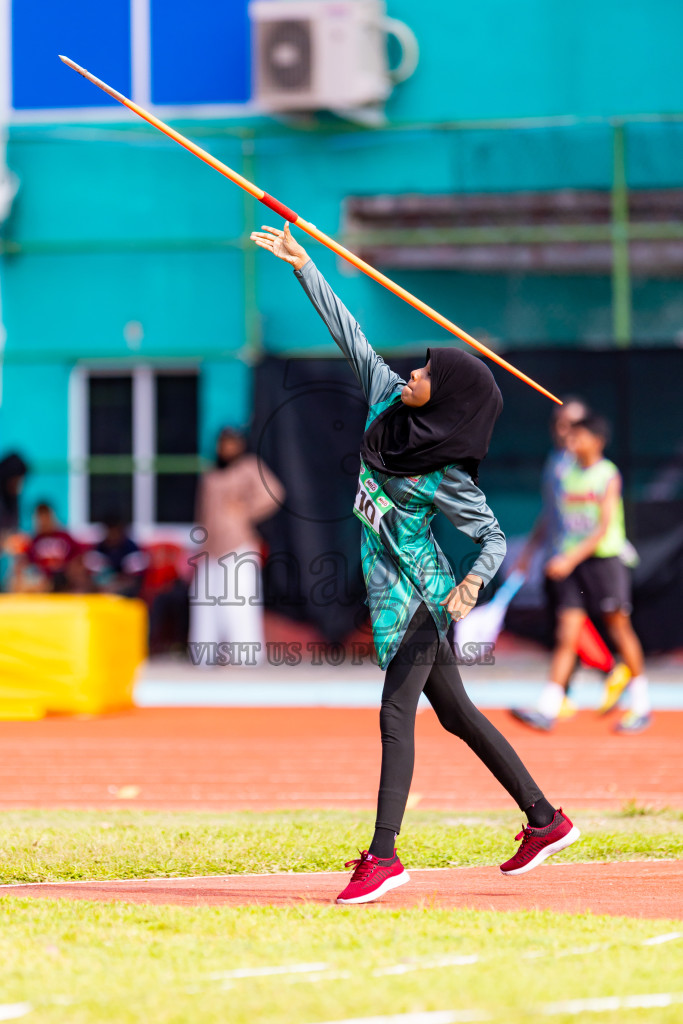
(34, 422)
(224, 398)
(496, 58)
(114, 223)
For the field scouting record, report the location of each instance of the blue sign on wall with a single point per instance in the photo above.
(96, 35)
(199, 52)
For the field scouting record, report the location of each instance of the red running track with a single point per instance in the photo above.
(258, 758)
(650, 889)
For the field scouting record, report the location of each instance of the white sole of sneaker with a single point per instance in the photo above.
(390, 883)
(547, 851)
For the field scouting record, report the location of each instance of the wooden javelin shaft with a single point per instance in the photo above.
(310, 229)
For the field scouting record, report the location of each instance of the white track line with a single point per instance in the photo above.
(11, 1011)
(572, 1007)
(179, 878)
(108, 881)
(263, 972)
(595, 947)
(314, 978)
(608, 1004)
(327, 874)
(327, 972)
(425, 965)
(657, 940)
(429, 1017)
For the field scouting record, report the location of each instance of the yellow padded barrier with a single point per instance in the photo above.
(69, 653)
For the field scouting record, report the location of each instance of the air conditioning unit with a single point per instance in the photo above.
(325, 54)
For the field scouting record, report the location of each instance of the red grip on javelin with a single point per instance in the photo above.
(278, 207)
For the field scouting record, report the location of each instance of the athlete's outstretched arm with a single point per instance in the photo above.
(377, 380)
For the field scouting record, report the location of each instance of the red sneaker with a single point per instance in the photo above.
(372, 878)
(539, 843)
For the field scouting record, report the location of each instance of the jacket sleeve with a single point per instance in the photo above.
(377, 380)
(459, 498)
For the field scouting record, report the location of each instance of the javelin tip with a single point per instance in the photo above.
(70, 63)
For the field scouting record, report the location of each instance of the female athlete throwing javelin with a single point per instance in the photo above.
(423, 442)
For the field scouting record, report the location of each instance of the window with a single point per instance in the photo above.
(176, 435)
(133, 445)
(110, 433)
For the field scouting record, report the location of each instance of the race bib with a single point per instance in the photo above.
(580, 524)
(371, 502)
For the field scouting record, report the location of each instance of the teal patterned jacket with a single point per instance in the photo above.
(402, 563)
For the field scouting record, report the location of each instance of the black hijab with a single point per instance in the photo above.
(454, 426)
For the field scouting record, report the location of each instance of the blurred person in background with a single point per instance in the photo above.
(239, 493)
(13, 544)
(588, 571)
(53, 561)
(117, 563)
(545, 535)
(546, 538)
(13, 471)
(167, 592)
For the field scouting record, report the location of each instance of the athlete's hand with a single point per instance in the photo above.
(559, 567)
(463, 598)
(281, 244)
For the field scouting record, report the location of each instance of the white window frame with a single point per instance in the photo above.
(144, 525)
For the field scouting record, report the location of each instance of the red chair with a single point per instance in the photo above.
(163, 570)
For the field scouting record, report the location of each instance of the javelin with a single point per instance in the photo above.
(310, 229)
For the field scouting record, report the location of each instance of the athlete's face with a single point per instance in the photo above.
(230, 447)
(583, 445)
(418, 390)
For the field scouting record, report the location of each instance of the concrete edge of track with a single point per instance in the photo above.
(365, 693)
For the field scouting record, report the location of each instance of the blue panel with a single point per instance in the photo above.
(95, 35)
(200, 51)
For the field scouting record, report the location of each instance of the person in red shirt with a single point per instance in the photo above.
(53, 553)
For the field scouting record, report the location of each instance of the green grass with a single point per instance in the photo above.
(92, 963)
(87, 963)
(65, 845)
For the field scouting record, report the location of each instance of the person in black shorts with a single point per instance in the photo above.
(588, 573)
(602, 583)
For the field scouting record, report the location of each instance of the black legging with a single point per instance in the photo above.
(424, 664)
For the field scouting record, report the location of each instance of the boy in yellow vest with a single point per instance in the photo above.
(588, 572)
